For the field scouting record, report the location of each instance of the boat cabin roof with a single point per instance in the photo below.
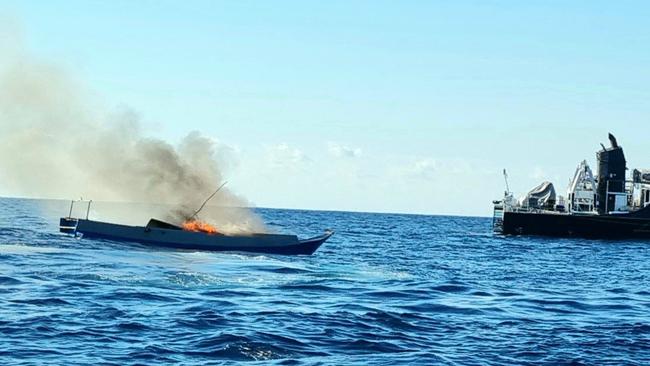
(155, 223)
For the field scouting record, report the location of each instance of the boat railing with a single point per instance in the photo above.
(532, 210)
(80, 201)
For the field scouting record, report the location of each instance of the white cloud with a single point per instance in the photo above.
(424, 168)
(283, 155)
(428, 168)
(538, 173)
(342, 151)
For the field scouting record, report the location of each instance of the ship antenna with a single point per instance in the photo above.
(505, 177)
(206, 201)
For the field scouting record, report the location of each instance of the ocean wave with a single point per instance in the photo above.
(390, 289)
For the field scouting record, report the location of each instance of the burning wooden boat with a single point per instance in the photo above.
(193, 235)
(607, 206)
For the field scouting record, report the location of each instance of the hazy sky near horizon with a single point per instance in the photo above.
(399, 106)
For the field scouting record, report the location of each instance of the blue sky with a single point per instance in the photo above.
(409, 106)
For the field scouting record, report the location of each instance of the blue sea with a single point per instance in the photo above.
(386, 289)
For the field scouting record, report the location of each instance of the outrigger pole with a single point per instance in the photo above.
(206, 201)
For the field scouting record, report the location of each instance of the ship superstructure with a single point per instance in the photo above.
(607, 205)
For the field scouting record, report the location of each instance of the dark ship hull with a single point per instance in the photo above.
(617, 226)
(163, 235)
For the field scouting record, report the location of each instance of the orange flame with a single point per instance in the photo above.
(199, 226)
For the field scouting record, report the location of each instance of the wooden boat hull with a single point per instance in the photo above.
(181, 239)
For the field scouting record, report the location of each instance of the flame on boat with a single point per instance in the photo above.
(199, 227)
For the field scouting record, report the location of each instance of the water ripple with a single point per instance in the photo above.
(386, 289)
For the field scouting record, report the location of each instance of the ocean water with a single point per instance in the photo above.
(385, 289)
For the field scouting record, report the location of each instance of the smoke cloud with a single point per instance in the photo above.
(55, 142)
